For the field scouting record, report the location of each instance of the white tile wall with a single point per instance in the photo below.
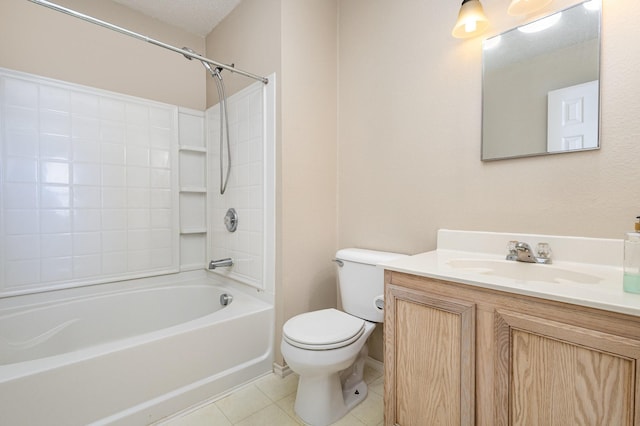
(245, 190)
(88, 185)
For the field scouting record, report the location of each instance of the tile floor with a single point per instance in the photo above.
(268, 401)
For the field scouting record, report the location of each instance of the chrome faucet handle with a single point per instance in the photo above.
(543, 250)
(512, 253)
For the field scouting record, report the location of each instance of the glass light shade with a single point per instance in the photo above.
(471, 20)
(523, 7)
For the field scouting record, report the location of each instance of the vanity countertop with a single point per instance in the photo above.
(602, 286)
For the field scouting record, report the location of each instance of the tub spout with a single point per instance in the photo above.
(220, 263)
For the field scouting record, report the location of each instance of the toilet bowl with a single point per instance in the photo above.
(327, 348)
(331, 382)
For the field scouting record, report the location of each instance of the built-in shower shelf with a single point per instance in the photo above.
(195, 189)
(193, 231)
(187, 148)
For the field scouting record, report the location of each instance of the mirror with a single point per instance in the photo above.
(540, 86)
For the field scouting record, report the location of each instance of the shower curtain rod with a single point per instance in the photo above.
(147, 39)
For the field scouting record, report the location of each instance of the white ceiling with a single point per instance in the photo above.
(195, 16)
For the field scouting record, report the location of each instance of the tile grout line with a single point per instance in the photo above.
(275, 403)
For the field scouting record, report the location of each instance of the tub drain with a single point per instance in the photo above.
(225, 299)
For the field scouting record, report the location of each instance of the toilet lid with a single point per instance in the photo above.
(322, 330)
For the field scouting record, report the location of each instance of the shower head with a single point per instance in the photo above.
(214, 72)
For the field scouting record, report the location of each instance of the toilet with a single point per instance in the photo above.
(327, 348)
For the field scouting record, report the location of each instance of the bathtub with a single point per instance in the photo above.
(114, 355)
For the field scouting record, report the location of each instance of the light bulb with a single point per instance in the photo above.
(470, 26)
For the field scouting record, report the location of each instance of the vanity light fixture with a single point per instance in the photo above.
(471, 20)
(524, 7)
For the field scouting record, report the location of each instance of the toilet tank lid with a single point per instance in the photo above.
(369, 257)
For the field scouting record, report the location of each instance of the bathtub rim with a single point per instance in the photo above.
(52, 296)
(243, 304)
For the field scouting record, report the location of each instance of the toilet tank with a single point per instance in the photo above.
(361, 283)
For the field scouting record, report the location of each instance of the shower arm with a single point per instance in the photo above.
(130, 33)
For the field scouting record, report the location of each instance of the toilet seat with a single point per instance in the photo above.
(323, 330)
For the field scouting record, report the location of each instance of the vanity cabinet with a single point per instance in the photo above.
(457, 354)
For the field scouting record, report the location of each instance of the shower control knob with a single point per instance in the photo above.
(231, 220)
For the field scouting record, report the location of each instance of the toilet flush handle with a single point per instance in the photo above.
(378, 302)
(339, 262)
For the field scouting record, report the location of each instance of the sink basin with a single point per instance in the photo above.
(522, 271)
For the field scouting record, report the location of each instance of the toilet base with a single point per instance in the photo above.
(355, 395)
(322, 400)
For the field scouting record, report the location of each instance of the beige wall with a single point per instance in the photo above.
(309, 157)
(250, 38)
(298, 41)
(409, 134)
(42, 41)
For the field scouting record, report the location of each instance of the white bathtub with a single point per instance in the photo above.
(121, 356)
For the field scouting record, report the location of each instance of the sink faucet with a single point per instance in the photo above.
(522, 252)
(220, 263)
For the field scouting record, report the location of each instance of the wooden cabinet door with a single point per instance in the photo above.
(551, 373)
(429, 359)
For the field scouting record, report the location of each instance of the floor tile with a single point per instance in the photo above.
(286, 404)
(208, 415)
(348, 420)
(272, 415)
(243, 403)
(370, 411)
(371, 374)
(275, 387)
(377, 386)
